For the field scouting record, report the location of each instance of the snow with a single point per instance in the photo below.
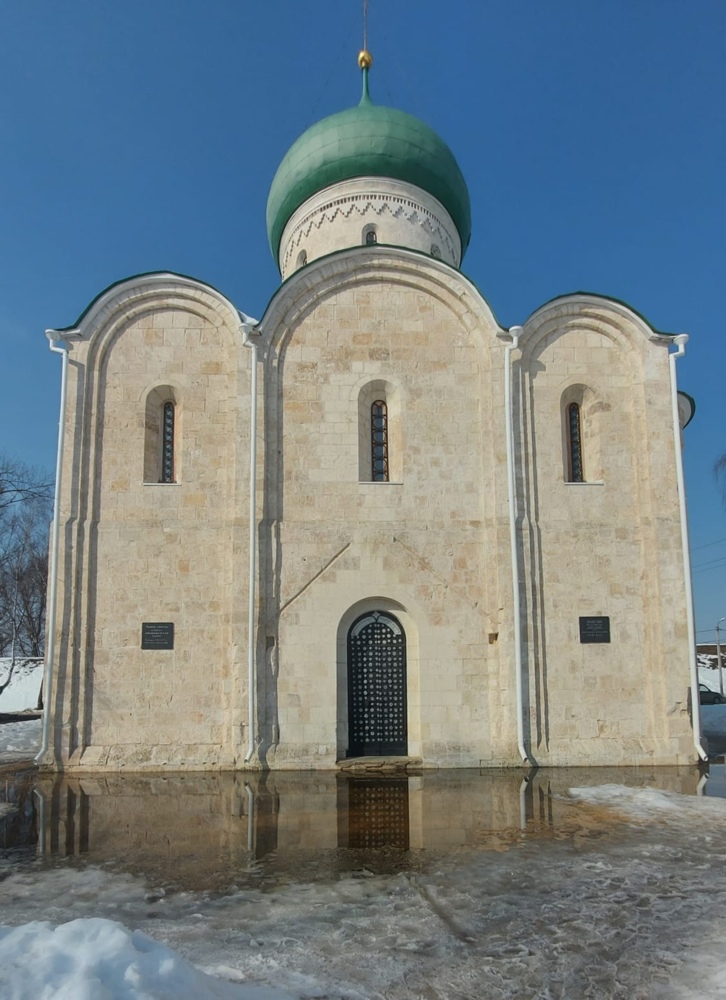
(624, 897)
(708, 671)
(652, 803)
(97, 959)
(19, 740)
(23, 691)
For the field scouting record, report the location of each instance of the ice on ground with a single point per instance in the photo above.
(94, 958)
(23, 691)
(19, 739)
(627, 913)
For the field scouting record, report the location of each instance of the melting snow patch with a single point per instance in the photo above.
(19, 739)
(89, 959)
(651, 803)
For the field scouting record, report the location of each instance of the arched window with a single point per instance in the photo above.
(167, 444)
(574, 444)
(302, 258)
(380, 435)
(370, 235)
(161, 421)
(379, 442)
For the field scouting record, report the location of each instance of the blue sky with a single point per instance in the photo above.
(144, 135)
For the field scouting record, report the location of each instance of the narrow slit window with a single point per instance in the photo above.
(379, 442)
(370, 235)
(574, 442)
(167, 444)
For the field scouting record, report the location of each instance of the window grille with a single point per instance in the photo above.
(379, 442)
(574, 443)
(167, 444)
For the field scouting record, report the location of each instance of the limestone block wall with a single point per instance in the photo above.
(137, 551)
(431, 546)
(607, 546)
(424, 546)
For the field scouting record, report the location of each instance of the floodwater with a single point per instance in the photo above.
(447, 885)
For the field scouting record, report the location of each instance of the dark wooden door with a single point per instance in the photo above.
(377, 687)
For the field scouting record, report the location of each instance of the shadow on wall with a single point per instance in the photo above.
(71, 655)
(269, 578)
(529, 554)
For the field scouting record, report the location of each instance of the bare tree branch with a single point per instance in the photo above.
(25, 510)
(20, 483)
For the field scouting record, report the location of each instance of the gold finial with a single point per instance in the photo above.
(365, 59)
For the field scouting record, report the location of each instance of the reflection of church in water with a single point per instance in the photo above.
(375, 523)
(195, 828)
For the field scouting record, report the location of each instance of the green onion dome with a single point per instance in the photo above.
(367, 141)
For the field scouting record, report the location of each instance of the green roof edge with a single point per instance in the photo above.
(606, 298)
(131, 277)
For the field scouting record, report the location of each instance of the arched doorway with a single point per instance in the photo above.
(377, 713)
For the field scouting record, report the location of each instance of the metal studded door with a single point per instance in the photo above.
(377, 687)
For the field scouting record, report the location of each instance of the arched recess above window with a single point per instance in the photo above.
(161, 436)
(581, 415)
(380, 439)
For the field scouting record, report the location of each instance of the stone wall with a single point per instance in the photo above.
(139, 551)
(607, 546)
(430, 546)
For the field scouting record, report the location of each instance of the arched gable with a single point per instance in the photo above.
(124, 301)
(315, 284)
(591, 313)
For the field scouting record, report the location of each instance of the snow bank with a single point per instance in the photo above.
(23, 691)
(99, 959)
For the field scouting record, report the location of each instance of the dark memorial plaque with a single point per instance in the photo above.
(157, 635)
(595, 629)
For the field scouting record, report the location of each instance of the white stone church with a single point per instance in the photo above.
(374, 524)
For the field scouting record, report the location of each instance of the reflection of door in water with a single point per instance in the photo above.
(376, 686)
(373, 813)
